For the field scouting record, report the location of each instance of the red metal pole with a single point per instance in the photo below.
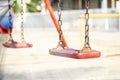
(50, 9)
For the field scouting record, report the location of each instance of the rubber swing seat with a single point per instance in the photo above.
(14, 44)
(73, 53)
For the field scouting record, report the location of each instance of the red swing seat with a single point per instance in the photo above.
(73, 53)
(14, 44)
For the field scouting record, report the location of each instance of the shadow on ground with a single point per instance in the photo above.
(2, 55)
(61, 74)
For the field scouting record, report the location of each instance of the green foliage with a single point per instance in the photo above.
(35, 1)
(31, 7)
(16, 7)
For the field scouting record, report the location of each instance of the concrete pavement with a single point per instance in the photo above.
(36, 63)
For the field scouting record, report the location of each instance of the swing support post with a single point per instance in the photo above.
(51, 12)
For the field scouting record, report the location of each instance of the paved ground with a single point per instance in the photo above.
(36, 63)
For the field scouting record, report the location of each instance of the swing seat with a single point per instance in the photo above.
(23, 45)
(14, 44)
(73, 53)
(86, 55)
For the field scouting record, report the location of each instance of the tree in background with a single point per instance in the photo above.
(34, 6)
(16, 7)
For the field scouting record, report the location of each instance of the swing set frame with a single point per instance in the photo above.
(62, 47)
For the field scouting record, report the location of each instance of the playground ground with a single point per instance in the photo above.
(36, 64)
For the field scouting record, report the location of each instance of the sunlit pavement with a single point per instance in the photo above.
(36, 64)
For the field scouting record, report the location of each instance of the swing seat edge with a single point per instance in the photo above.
(74, 53)
(17, 45)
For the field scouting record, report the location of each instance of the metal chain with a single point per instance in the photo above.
(86, 47)
(9, 6)
(22, 22)
(60, 43)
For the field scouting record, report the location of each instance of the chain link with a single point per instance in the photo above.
(9, 6)
(22, 22)
(60, 43)
(86, 47)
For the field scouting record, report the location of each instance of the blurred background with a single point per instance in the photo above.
(104, 14)
(36, 64)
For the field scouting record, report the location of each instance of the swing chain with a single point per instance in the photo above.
(60, 43)
(22, 22)
(87, 47)
(9, 6)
